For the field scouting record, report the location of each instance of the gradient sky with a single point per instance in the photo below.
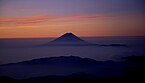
(52, 18)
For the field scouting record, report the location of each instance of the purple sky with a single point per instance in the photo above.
(20, 8)
(40, 18)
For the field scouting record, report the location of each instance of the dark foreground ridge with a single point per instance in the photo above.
(72, 69)
(69, 39)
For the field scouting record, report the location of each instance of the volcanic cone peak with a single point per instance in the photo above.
(68, 37)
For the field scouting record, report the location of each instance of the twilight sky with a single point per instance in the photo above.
(52, 18)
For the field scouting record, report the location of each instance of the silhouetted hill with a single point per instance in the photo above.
(132, 71)
(58, 60)
(69, 39)
(63, 65)
(135, 67)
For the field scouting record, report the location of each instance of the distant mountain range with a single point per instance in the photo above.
(69, 39)
(72, 69)
(63, 65)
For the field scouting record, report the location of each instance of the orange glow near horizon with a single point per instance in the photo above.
(54, 26)
(89, 18)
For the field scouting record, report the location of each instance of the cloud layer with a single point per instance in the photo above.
(38, 19)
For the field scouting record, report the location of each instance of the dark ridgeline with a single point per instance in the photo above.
(63, 65)
(69, 39)
(78, 70)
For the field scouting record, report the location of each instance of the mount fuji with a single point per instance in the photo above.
(69, 39)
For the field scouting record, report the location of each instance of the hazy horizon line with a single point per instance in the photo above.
(59, 36)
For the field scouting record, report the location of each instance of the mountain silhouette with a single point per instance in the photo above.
(63, 65)
(69, 39)
(73, 69)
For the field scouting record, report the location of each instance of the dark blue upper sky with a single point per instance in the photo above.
(69, 7)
